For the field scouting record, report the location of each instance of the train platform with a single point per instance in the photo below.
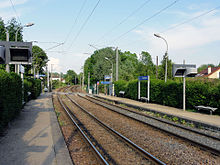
(34, 137)
(210, 121)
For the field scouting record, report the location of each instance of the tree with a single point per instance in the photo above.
(2, 30)
(40, 58)
(204, 66)
(12, 28)
(98, 66)
(162, 69)
(149, 67)
(127, 65)
(70, 77)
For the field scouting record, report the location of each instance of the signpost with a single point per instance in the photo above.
(97, 87)
(105, 82)
(141, 78)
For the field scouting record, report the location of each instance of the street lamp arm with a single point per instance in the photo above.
(157, 35)
(19, 28)
(166, 54)
(16, 33)
(166, 44)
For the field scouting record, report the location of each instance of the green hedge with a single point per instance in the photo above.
(27, 88)
(33, 86)
(120, 86)
(198, 92)
(10, 97)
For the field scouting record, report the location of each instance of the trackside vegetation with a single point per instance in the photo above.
(11, 95)
(199, 91)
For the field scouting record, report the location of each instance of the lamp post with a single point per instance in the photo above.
(166, 54)
(19, 28)
(112, 92)
(112, 68)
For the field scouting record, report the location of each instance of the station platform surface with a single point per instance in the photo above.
(212, 120)
(34, 137)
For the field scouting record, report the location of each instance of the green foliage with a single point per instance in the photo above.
(57, 84)
(161, 71)
(27, 88)
(40, 58)
(33, 86)
(120, 86)
(98, 66)
(2, 30)
(204, 66)
(70, 77)
(10, 97)
(198, 92)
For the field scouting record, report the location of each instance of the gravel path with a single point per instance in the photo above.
(167, 148)
(115, 151)
(80, 152)
(210, 142)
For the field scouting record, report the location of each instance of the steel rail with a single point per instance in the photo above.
(155, 118)
(138, 148)
(82, 133)
(203, 146)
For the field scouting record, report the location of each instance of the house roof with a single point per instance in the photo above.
(205, 71)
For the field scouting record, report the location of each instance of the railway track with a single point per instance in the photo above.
(206, 142)
(106, 153)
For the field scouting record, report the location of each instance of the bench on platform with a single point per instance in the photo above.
(210, 109)
(121, 93)
(144, 99)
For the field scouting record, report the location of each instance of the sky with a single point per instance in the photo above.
(191, 28)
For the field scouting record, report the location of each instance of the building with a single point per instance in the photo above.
(210, 72)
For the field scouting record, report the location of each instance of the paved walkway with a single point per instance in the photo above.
(198, 117)
(34, 138)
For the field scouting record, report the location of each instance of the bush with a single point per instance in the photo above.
(198, 92)
(120, 86)
(10, 97)
(27, 88)
(35, 88)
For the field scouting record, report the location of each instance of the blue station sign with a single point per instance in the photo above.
(105, 82)
(143, 78)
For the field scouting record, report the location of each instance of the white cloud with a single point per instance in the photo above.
(54, 64)
(188, 35)
(7, 3)
(186, 41)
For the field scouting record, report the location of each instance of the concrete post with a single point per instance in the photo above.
(139, 89)
(117, 64)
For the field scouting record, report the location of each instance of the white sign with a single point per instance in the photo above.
(21, 69)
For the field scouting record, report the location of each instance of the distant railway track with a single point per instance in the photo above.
(132, 114)
(103, 150)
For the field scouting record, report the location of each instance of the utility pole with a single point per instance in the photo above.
(184, 90)
(116, 63)
(166, 56)
(60, 79)
(48, 78)
(80, 81)
(83, 79)
(88, 81)
(7, 39)
(51, 70)
(156, 67)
